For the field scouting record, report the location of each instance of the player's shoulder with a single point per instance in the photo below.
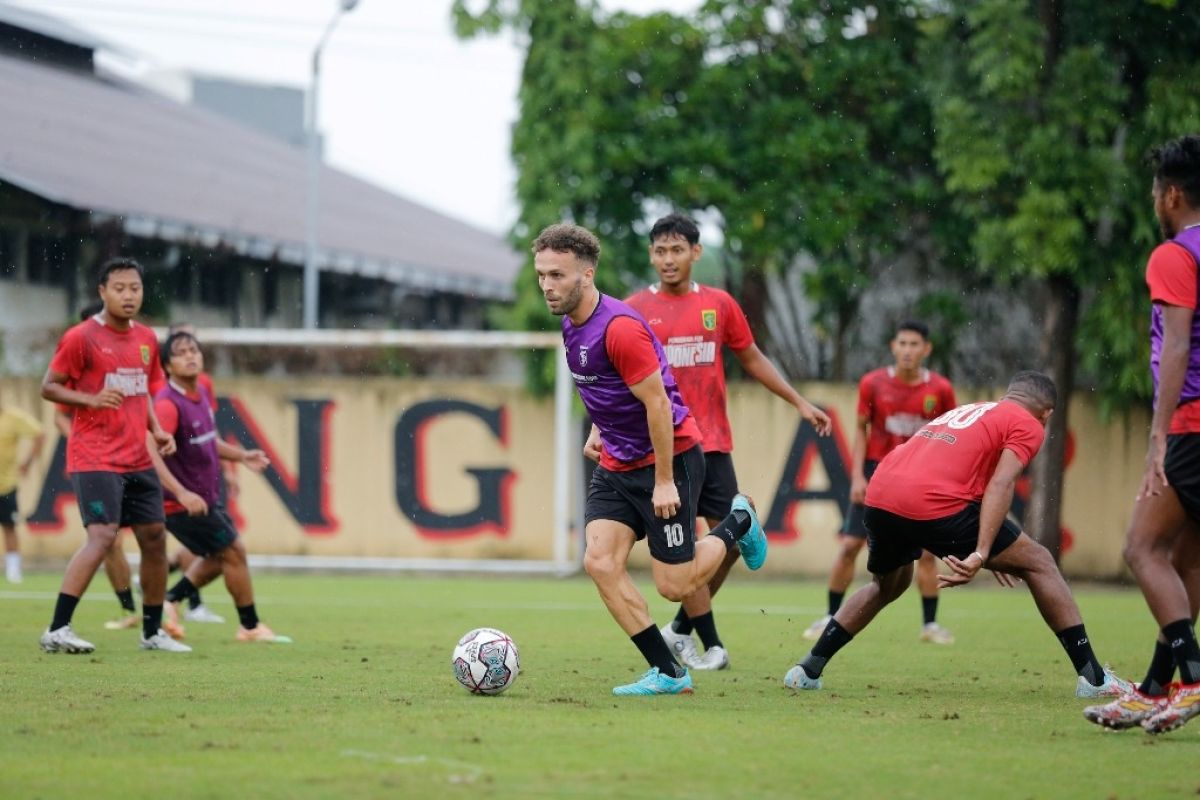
(1172, 252)
(640, 297)
(83, 331)
(874, 376)
(713, 294)
(144, 333)
(938, 380)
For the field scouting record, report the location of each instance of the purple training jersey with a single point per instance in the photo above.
(1189, 240)
(196, 463)
(614, 409)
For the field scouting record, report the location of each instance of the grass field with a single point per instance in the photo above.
(364, 703)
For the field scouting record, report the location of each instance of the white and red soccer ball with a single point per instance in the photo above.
(485, 661)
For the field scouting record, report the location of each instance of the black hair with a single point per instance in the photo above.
(1036, 386)
(116, 265)
(1178, 162)
(90, 310)
(675, 224)
(914, 326)
(169, 346)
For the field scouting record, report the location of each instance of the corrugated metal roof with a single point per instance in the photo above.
(54, 28)
(180, 173)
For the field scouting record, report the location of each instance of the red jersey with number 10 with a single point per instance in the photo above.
(692, 328)
(949, 462)
(895, 410)
(95, 357)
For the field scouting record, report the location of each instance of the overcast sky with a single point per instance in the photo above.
(403, 102)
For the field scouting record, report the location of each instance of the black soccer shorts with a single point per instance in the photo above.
(121, 498)
(894, 541)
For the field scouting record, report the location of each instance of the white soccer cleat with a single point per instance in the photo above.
(64, 640)
(1112, 686)
(714, 658)
(936, 634)
(814, 631)
(682, 645)
(797, 678)
(161, 641)
(203, 613)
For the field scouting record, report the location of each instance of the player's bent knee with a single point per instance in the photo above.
(601, 567)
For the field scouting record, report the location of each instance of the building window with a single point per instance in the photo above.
(47, 260)
(8, 256)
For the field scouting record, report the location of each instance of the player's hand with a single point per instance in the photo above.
(194, 503)
(255, 460)
(963, 570)
(107, 398)
(818, 418)
(665, 499)
(1004, 579)
(591, 448)
(23, 469)
(1155, 476)
(858, 490)
(165, 442)
(233, 486)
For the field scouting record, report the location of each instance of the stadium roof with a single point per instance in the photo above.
(174, 172)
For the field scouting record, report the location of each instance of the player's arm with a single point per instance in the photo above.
(54, 389)
(997, 500)
(858, 460)
(759, 367)
(159, 439)
(593, 446)
(256, 460)
(653, 395)
(62, 422)
(191, 501)
(1172, 370)
(37, 442)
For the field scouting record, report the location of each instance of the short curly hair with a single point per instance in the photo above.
(567, 238)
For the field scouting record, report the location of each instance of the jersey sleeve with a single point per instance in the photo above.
(1024, 437)
(70, 358)
(1171, 276)
(168, 415)
(630, 350)
(737, 334)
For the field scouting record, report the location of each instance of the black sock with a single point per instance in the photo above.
(682, 624)
(183, 589)
(732, 528)
(125, 598)
(64, 609)
(194, 601)
(834, 638)
(929, 609)
(151, 620)
(1182, 638)
(1075, 641)
(835, 601)
(249, 617)
(706, 626)
(657, 654)
(1162, 669)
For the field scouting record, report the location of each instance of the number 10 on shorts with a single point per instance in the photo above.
(674, 534)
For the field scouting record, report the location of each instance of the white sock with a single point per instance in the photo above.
(12, 565)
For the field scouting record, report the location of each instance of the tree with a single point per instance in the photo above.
(1042, 113)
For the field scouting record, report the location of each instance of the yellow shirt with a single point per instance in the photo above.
(15, 425)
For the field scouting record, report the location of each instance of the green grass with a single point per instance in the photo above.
(365, 704)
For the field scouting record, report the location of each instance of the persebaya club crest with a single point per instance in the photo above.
(708, 317)
(930, 403)
(145, 354)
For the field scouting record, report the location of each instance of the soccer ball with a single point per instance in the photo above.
(485, 661)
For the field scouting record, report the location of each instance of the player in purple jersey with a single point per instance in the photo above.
(191, 481)
(1162, 546)
(651, 456)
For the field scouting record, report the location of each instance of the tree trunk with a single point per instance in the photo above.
(754, 299)
(1057, 351)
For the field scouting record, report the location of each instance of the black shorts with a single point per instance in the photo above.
(626, 497)
(720, 485)
(120, 498)
(8, 508)
(852, 524)
(895, 541)
(1181, 462)
(206, 535)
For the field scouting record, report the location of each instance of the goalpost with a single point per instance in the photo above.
(566, 435)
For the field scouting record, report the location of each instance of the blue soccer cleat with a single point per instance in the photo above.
(753, 545)
(655, 682)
